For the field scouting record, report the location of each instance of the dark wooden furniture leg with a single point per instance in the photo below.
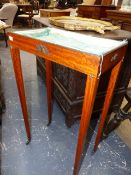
(108, 98)
(120, 116)
(5, 37)
(90, 93)
(20, 85)
(49, 88)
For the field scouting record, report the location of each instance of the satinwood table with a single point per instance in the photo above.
(90, 55)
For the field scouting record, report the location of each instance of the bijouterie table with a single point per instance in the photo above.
(69, 84)
(89, 55)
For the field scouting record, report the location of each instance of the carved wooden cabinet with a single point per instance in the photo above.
(69, 85)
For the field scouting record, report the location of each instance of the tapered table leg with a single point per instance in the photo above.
(108, 98)
(20, 85)
(49, 88)
(90, 94)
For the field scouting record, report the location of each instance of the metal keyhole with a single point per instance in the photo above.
(42, 49)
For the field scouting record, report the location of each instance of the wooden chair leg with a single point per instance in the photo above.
(5, 37)
(20, 84)
(49, 88)
(108, 98)
(90, 93)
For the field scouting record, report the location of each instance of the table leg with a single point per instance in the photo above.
(90, 93)
(20, 85)
(108, 98)
(49, 88)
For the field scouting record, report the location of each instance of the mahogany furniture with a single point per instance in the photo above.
(122, 17)
(35, 4)
(69, 84)
(25, 13)
(22, 7)
(94, 11)
(83, 58)
(54, 12)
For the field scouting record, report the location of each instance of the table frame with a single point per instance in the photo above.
(91, 65)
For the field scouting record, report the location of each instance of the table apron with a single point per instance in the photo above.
(79, 61)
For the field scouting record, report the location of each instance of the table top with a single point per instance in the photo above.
(116, 34)
(76, 41)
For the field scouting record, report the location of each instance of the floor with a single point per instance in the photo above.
(52, 149)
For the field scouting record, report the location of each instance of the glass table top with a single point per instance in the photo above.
(73, 40)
